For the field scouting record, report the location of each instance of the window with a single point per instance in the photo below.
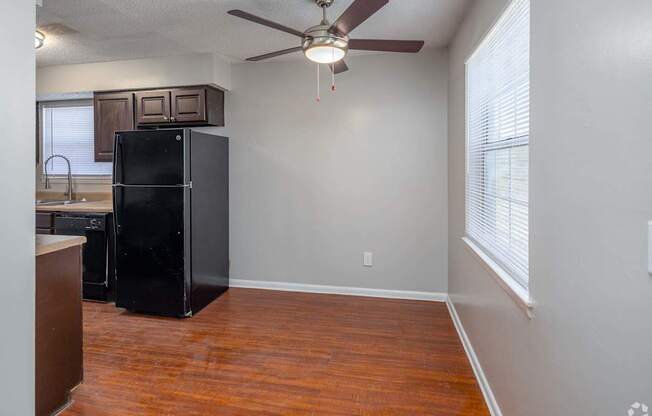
(498, 128)
(67, 130)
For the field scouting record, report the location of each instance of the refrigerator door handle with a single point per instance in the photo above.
(117, 155)
(116, 225)
(119, 185)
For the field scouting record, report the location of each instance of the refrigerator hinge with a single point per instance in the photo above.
(188, 312)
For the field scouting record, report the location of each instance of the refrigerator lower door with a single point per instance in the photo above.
(151, 271)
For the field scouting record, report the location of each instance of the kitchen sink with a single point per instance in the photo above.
(58, 201)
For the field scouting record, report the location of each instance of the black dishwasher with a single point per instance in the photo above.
(98, 270)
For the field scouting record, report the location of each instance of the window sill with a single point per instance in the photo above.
(519, 295)
(86, 179)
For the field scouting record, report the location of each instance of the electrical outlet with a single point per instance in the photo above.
(367, 259)
(649, 247)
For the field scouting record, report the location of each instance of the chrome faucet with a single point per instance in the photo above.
(69, 193)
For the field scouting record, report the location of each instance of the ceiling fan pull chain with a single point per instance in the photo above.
(332, 66)
(318, 98)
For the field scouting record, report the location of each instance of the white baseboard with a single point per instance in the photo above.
(489, 398)
(340, 290)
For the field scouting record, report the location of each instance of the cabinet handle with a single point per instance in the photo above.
(165, 118)
(172, 119)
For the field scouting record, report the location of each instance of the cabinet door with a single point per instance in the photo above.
(43, 220)
(152, 107)
(113, 112)
(188, 105)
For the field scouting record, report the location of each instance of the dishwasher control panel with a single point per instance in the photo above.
(79, 222)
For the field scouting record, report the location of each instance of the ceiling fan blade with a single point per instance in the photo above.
(248, 16)
(357, 13)
(273, 54)
(383, 45)
(339, 66)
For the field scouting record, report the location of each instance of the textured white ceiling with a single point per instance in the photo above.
(105, 30)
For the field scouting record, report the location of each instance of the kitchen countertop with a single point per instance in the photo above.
(105, 205)
(50, 243)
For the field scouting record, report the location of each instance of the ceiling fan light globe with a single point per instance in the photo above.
(324, 54)
(323, 47)
(39, 39)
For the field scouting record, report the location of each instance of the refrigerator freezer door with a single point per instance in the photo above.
(151, 157)
(150, 249)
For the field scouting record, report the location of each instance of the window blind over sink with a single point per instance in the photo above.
(67, 129)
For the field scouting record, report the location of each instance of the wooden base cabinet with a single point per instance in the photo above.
(58, 328)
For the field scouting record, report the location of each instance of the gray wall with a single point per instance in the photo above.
(17, 209)
(191, 69)
(588, 348)
(315, 185)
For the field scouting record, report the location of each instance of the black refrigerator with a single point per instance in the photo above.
(171, 216)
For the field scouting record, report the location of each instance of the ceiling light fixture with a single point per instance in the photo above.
(321, 46)
(329, 43)
(325, 49)
(39, 39)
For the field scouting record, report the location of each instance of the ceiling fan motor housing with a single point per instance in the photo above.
(324, 3)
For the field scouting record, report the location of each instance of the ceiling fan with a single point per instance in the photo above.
(328, 43)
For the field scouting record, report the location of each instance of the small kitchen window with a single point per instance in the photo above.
(66, 128)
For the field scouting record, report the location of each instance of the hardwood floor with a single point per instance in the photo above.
(255, 352)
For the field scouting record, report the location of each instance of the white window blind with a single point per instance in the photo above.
(67, 130)
(498, 129)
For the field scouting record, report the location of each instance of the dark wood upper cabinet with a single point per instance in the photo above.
(113, 112)
(152, 107)
(183, 106)
(188, 105)
(215, 106)
(201, 105)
